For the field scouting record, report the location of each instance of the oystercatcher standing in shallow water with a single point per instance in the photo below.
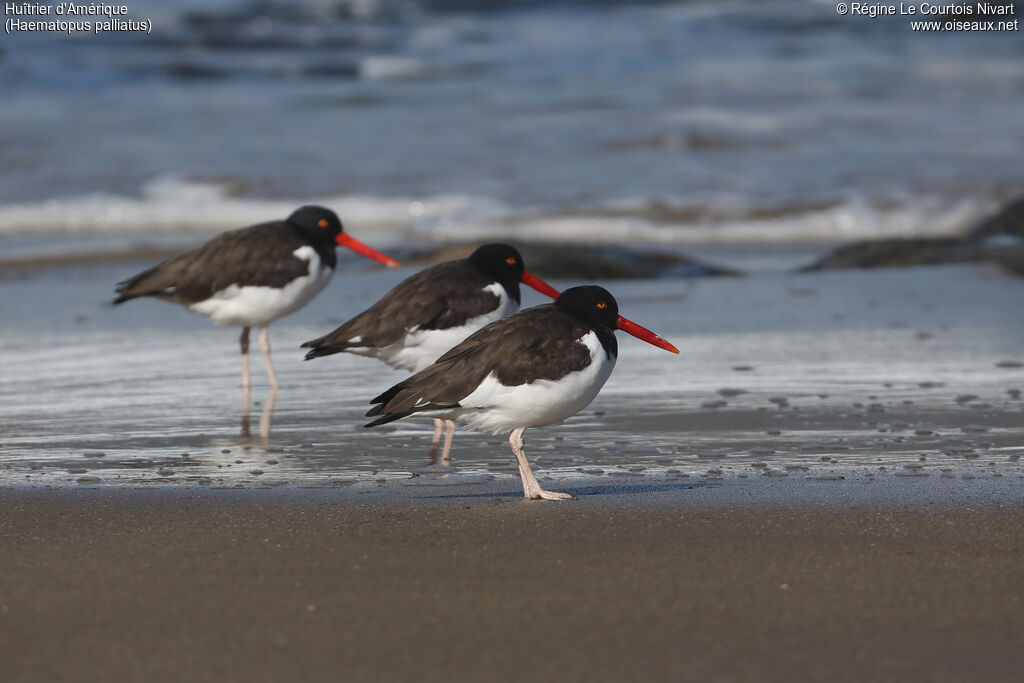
(432, 311)
(253, 276)
(534, 368)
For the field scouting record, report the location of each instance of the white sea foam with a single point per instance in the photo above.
(169, 205)
(850, 220)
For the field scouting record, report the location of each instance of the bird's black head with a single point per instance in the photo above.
(591, 303)
(322, 229)
(503, 262)
(316, 223)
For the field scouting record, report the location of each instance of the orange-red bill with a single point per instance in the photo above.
(544, 288)
(641, 332)
(346, 240)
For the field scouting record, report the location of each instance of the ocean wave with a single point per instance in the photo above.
(170, 205)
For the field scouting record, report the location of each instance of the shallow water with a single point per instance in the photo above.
(816, 376)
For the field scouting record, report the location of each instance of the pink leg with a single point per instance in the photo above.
(265, 349)
(531, 489)
(449, 435)
(244, 343)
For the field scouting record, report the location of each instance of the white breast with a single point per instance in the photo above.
(496, 408)
(420, 348)
(257, 306)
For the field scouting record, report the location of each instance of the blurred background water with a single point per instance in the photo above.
(427, 120)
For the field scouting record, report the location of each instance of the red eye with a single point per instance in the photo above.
(323, 223)
(511, 260)
(602, 304)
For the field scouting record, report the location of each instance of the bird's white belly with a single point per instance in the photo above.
(496, 408)
(257, 306)
(420, 348)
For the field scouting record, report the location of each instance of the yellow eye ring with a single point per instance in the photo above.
(511, 260)
(602, 304)
(323, 223)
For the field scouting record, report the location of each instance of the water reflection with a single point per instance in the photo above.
(265, 418)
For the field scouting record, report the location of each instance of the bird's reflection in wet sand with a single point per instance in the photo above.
(444, 458)
(265, 418)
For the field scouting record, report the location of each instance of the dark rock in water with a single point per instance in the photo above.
(1011, 260)
(891, 253)
(581, 262)
(899, 253)
(613, 263)
(998, 239)
(1007, 221)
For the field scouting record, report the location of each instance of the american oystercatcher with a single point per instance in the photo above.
(531, 369)
(432, 311)
(253, 276)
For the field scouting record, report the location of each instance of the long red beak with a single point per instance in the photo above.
(346, 240)
(544, 288)
(641, 332)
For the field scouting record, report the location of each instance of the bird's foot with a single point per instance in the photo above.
(541, 494)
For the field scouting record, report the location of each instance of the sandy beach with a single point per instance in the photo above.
(173, 584)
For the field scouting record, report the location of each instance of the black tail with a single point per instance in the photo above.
(321, 350)
(122, 296)
(135, 287)
(385, 398)
(328, 345)
(391, 417)
(384, 419)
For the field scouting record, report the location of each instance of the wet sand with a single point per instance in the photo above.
(897, 373)
(175, 584)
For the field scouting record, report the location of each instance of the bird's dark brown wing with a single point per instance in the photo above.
(538, 343)
(260, 255)
(443, 296)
